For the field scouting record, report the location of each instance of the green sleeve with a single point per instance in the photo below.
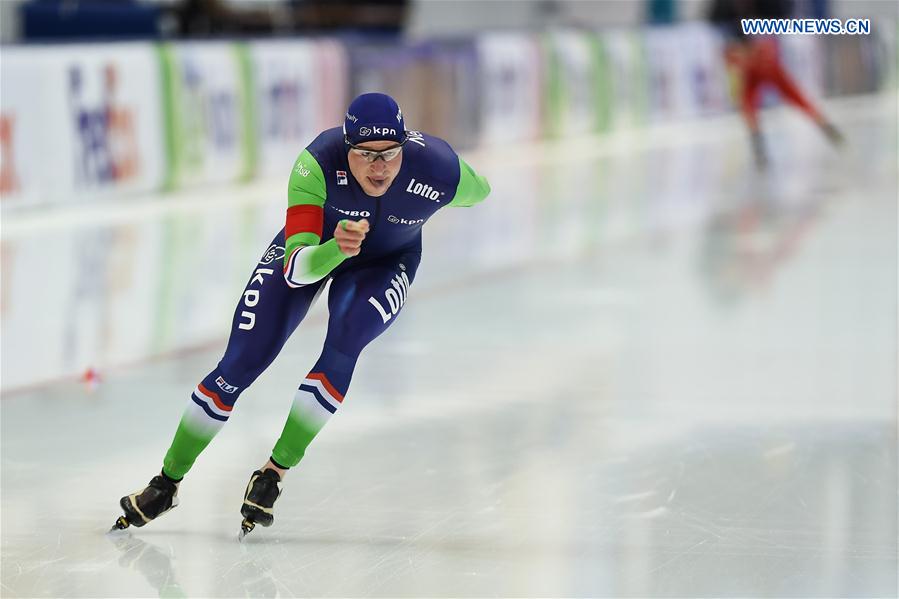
(306, 188)
(472, 188)
(307, 182)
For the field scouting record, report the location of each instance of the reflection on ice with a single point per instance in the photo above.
(153, 563)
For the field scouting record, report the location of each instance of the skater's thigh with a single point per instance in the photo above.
(267, 313)
(363, 302)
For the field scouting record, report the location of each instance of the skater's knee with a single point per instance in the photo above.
(242, 367)
(338, 356)
(353, 333)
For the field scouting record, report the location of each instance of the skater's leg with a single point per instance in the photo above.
(771, 70)
(751, 98)
(363, 303)
(789, 90)
(266, 315)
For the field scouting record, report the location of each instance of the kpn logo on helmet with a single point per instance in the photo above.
(369, 131)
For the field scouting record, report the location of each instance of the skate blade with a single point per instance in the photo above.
(246, 527)
(120, 525)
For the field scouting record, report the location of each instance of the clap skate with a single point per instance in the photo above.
(139, 508)
(262, 491)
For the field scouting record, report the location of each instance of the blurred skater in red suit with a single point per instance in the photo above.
(756, 63)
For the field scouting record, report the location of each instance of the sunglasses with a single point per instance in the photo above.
(372, 155)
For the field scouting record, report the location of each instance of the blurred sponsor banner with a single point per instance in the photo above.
(210, 113)
(603, 90)
(80, 123)
(686, 74)
(861, 63)
(300, 89)
(333, 82)
(572, 91)
(888, 41)
(461, 99)
(666, 64)
(629, 80)
(22, 126)
(421, 77)
(705, 73)
(511, 88)
(404, 72)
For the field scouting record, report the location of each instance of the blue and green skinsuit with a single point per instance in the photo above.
(366, 295)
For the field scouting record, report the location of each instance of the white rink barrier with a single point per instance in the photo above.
(102, 285)
(90, 135)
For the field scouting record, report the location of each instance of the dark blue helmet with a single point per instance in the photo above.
(374, 117)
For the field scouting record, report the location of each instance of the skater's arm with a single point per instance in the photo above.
(472, 188)
(305, 261)
(306, 194)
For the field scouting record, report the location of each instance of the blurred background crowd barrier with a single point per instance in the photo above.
(184, 132)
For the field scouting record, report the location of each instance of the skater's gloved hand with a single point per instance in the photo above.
(349, 235)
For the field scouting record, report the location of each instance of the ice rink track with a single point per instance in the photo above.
(680, 382)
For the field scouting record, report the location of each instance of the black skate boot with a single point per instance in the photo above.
(263, 490)
(141, 507)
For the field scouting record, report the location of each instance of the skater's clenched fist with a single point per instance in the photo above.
(349, 235)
